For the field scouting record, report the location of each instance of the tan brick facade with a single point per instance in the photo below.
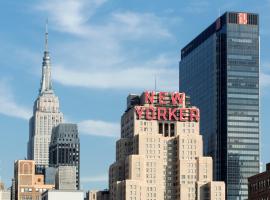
(28, 185)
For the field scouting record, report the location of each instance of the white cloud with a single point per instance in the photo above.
(99, 128)
(106, 55)
(74, 16)
(197, 7)
(100, 178)
(137, 25)
(141, 77)
(70, 15)
(8, 105)
(264, 80)
(265, 74)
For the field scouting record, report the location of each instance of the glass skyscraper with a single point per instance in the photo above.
(219, 69)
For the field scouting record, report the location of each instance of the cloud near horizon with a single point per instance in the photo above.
(99, 128)
(265, 77)
(264, 80)
(94, 179)
(8, 105)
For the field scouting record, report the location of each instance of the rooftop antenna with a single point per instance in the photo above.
(46, 35)
(155, 82)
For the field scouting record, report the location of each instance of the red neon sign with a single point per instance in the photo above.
(166, 113)
(176, 98)
(170, 114)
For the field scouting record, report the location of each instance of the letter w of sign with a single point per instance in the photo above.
(178, 98)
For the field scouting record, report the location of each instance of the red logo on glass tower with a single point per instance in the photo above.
(242, 18)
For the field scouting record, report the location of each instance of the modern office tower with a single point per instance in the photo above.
(64, 148)
(65, 178)
(159, 155)
(259, 184)
(219, 69)
(46, 115)
(28, 184)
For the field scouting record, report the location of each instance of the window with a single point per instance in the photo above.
(172, 130)
(166, 130)
(160, 128)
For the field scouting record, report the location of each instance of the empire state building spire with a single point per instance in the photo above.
(46, 82)
(46, 115)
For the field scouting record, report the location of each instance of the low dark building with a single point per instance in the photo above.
(64, 148)
(259, 185)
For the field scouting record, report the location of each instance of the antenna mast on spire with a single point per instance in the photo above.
(46, 36)
(155, 83)
(46, 82)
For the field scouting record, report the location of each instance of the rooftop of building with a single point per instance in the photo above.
(262, 175)
(63, 191)
(227, 17)
(65, 133)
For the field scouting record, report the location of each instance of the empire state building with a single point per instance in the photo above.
(46, 115)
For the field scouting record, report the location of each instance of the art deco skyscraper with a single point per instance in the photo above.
(46, 115)
(159, 155)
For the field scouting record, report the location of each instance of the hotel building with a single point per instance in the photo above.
(160, 153)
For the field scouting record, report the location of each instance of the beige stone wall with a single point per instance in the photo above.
(216, 190)
(91, 195)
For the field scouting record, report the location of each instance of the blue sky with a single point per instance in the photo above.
(101, 51)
